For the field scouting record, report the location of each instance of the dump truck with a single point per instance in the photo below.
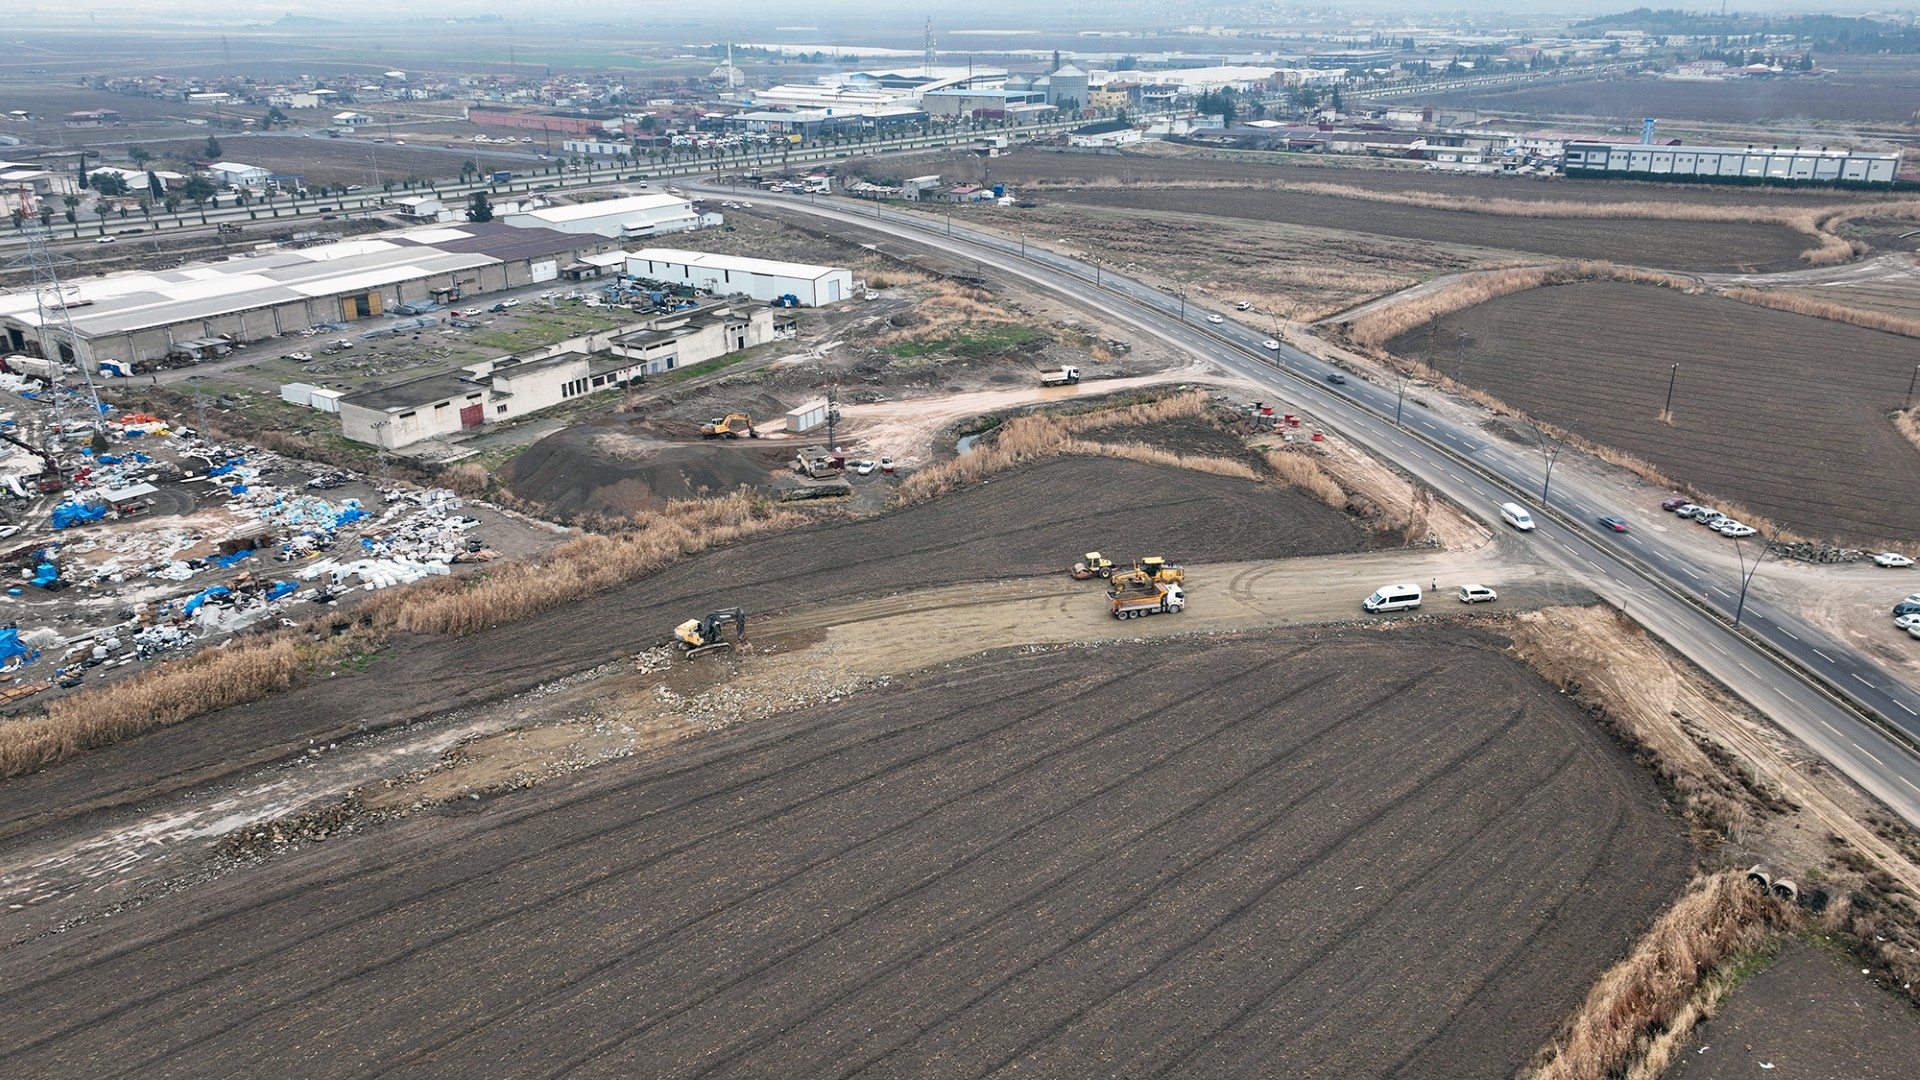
(729, 427)
(1156, 598)
(1152, 570)
(1066, 376)
(820, 466)
(1092, 564)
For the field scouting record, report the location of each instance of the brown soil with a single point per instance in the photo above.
(1862, 91)
(1040, 862)
(613, 466)
(1807, 397)
(1809, 1014)
(1032, 522)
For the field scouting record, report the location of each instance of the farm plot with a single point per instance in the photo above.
(1783, 413)
(1032, 522)
(1666, 244)
(1302, 855)
(1874, 94)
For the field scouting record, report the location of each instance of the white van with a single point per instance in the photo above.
(1393, 598)
(1516, 515)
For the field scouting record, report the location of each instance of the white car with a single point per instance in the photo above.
(1892, 559)
(864, 468)
(1270, 344)
(104, 240)
(512, 301)
(1734, 529)
(1914, 632)
(1243, 306)
(886, 464)
(1216, 318)
(1477, 594)
(1907, 622)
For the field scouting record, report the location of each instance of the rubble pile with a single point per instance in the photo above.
(1814, 553)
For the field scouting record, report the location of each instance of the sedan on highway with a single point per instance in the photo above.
(1608, 521)
(1892, 559)
(1216, 318)
(1270, 344)
(1337, 379)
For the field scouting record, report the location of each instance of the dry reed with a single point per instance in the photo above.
(1392, 319)
(1297, 469)
(1907, 422)
(1825, 309)
(1643, 996)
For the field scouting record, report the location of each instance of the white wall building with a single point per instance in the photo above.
(351, 119)
(762, 279)
(1770, 163)
(634, 217)
(238, 175)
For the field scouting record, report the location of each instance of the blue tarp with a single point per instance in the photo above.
(193, 605)
(108, 459)
(281, 588)
(10, 647)
(220, 470)
(67, 515)
(237, 489)
(348, 516)
(44, 575)
(226, 562)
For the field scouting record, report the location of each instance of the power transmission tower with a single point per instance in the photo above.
(59, 342)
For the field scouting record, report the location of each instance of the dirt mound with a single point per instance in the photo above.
(617, 466)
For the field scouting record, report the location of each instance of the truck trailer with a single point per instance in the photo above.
(1137, 603)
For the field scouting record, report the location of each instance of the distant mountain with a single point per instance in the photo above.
(305, 20)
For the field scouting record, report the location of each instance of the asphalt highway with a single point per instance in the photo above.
(1853, 713)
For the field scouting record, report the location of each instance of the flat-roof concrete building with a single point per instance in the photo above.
(761, 279)
(1733, 162)
(636, 216)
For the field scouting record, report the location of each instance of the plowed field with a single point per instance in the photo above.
(1031, 522)
(1784, 413)
(1329, 855)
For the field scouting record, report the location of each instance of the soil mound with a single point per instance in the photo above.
(616, 467)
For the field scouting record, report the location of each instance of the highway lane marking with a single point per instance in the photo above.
(1689, 572)
(1867, 752)
(1910, 783)
(1824, 656)
(1457, 476)
(1659, 554)
(1748, 670)
(1790, 633)
(1905, 706)
(1829, 727)
(1862, 681)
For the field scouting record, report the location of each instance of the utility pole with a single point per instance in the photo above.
(1915, 377)
(1672, 377)
(1551, 454)
(1746, 577)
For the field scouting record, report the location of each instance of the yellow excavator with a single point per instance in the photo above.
(729, 427)
(709, 634)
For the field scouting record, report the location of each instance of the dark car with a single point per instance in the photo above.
(1337, 379)
(1616, 524)
(1906, 607)
(1674, 503)
(498, 308)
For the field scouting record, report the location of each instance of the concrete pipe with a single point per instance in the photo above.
(1759, 878)
(1786, 890)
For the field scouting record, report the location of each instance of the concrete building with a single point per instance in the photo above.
(595, 147)
(762, 279)
(1754, 163)
(351, 119)
(146, 315)
(634, 217)
(986, 102)
(236, 174)
(510, 387)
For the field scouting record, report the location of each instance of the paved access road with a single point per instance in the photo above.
(1854, 714)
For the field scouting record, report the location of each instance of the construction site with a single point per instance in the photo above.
(971, 681)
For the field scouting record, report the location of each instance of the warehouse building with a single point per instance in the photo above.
(493, 391)
(633, 217)
(762, 279)
(148, 315)
(1753, 163)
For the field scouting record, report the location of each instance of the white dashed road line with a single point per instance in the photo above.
(1869, 753)
(1861, 681)
(1824, 656)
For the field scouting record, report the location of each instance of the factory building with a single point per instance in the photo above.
(150, 315)
(1753, 163)
(762, 279)
(634, 217)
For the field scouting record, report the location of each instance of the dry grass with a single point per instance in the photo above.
(1298, 469)
(1647, 995)
(1037, 436)
(946, 308)
(1907, 421)
(1390, 320)
(586, 565)
(1825, 309)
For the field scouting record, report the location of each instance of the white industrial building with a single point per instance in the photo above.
(493, 391)
(235, 174)
(762, 279)
(633, 217)
(1770, 163)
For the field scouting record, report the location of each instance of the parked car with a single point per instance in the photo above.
(1674, 503)
(1685, 510)
(511, 301)
(864, 468)
(1892, 559)
(1477, 594)
(1619, 525)
(1270, 344)
(104, 240)
(1907, 622)
(1702, 513)
(498, 309)
(1905, 607)
(1216, 318)
(1243, 306)
(886, 464)
(1737, 531)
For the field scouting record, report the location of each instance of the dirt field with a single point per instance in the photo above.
(1033, 522)
(1862, 91)
(1809, 1014)
(1783, 413)
(1295, 855)
(1674, 245)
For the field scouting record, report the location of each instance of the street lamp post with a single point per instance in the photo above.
(1400, 399)
(1672, 377)
(1746, 577)
(1915, 377)
(1551, 454)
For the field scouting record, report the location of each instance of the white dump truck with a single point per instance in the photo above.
(1066, 376)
